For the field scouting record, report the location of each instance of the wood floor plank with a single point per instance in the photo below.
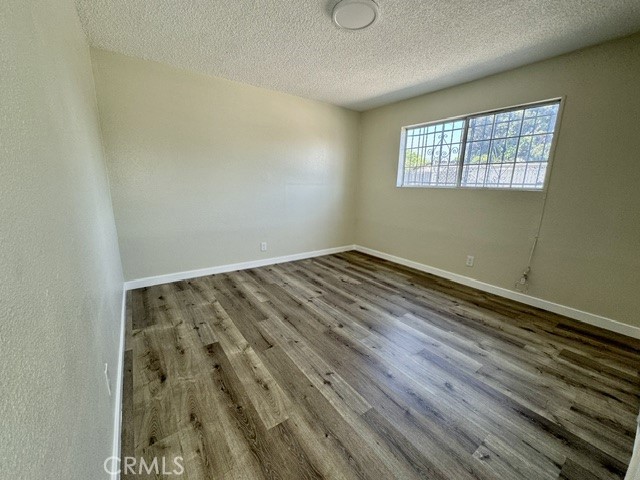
(150, 363)
(212, 447)
(402, 447)
(318, 372)
(154, 363)
(536, 430)
(141, 310)
(237, 302)
(263, 391)
(158, 461)
(374, 383)
(588, 363)
(381, 372)
(290, 282)
(512, 463)
(276, 449)
(573, 471)
(127, 443)
(154, 417)
(355, 448)
(347, 366)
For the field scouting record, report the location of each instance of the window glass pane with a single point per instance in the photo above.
(509, 149)
(432, 154)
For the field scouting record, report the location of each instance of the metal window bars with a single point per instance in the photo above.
(508, 148)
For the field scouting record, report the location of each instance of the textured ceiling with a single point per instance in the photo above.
(417, 46)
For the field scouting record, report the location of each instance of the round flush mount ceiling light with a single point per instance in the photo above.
(355, 14)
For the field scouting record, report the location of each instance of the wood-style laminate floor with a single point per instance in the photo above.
(347, 366)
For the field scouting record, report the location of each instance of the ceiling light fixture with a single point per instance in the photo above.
(355, 14)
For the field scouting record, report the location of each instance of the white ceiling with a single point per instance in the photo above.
(416, 46)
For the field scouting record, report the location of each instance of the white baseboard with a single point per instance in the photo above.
(117, 414)
(586, 317)
(175, 277)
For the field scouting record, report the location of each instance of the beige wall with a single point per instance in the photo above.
(203, 169)
(60, 275)
(588, 255)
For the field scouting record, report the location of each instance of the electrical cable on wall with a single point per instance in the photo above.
(522, 285)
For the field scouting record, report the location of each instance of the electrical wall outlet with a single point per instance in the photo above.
(263, 246)
(470, 260)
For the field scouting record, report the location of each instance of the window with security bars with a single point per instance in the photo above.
(507, 148)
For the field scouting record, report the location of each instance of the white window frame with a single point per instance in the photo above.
(466, 118)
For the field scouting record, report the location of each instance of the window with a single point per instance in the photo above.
(507, 148)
